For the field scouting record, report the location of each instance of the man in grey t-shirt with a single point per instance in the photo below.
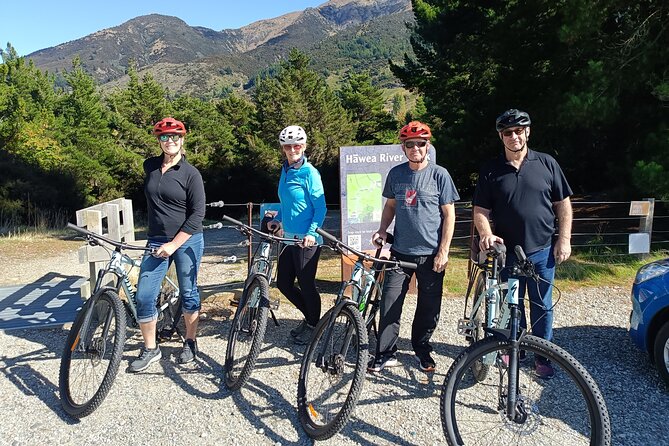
(420, 198)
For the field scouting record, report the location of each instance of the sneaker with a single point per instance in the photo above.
(295, 332)
(426, 362)
(188, 352)
(543, 369)
(305, 337)
(145, 359)
(383, 362)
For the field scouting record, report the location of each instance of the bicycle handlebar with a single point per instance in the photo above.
(120, 245)
(340, 246)
(248, 230)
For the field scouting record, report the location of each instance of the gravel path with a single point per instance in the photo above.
(172, 404)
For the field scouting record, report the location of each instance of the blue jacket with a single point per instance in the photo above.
(302, 200)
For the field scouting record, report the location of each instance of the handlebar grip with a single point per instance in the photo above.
(500, 247)
(326, 235)
(233, 221)
(409, 265)
(520, 253)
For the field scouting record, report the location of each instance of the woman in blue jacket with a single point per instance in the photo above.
(302, 210)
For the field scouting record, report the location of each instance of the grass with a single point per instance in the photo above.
(580, 271)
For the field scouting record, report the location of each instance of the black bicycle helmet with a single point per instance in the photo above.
(512, 118)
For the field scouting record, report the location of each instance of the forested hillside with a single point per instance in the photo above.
(594, 76)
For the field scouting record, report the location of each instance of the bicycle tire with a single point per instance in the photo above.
(474, 413)
(323, 415)
(74, 369)
(480, 369)
(371, 323)
(247, 330)
(169, 318)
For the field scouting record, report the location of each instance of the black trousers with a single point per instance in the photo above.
(428, 306)
(301, 264)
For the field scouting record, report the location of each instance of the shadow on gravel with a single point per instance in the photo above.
(632, 389)
(22, 370)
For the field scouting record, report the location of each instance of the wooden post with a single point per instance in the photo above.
(646, 224)
(114, 220)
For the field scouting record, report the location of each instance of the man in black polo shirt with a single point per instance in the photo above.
(523, 191)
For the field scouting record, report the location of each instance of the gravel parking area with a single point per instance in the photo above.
(187, 405)
(172, 404)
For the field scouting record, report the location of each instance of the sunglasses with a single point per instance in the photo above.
(518, 131)
(174, 138)
(411, 144)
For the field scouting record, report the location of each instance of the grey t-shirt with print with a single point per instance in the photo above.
(419, 196)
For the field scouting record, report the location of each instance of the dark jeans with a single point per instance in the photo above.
(541, 297)
(301, 264)
(428, 306)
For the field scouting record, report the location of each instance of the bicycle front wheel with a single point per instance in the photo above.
(568, 409)
(246, 333)
(92, 354)
(480, 368)
(332, 373)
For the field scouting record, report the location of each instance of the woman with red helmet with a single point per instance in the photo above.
(175, 203)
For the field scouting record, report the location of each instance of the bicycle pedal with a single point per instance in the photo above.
(466, 327)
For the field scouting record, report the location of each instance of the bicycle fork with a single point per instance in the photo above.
(514, 412)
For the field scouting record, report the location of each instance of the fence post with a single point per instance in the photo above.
(646, 224)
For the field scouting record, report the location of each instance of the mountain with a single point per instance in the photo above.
(338, 35)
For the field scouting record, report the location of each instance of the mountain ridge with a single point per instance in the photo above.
(194, 59)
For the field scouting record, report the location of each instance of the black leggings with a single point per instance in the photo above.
(301, 264)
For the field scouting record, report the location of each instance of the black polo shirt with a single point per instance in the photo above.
(521, 200)
(175, 199)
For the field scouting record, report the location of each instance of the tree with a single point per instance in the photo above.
(298, 95)
(366, 105)
(580, 68)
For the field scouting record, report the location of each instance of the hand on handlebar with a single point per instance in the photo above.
(274, 226)
(379, 239)
(487, 241)
(308, 241)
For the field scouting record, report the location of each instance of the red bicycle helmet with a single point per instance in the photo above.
(415, 129)
(169, 125)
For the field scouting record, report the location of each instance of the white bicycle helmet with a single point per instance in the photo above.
(293, 134)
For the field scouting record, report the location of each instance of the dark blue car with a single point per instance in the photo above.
(649, 321)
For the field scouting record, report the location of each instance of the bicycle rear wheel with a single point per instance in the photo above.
(246, 333)
(169, 314)
(568, 409)
(92, 354)
(327, 392)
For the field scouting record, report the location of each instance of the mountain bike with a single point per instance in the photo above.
(334, 365)
(249, 324)
(512, 406)
(94, 345)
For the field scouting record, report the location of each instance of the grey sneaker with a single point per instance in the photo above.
(188, 352)
(145, 359)
(295, 332)
(304, 337)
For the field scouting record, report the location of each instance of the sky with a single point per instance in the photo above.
(34, 25)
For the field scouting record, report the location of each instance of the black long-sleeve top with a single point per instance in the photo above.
(175, 199)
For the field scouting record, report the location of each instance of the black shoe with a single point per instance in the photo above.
(295, 332)
(305, 337)
(145, 359)
(426, 362)
(188, 352)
